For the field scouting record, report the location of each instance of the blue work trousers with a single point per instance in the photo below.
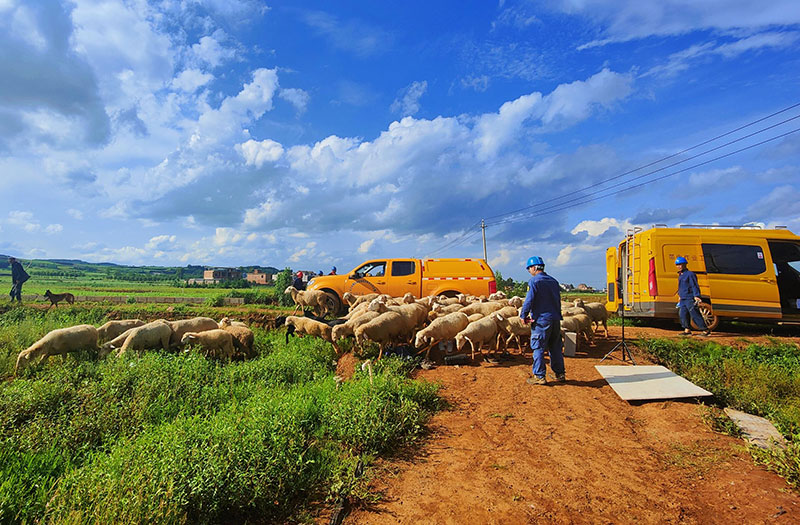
(546, 335)
(687, 310)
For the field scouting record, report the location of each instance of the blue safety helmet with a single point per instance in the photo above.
(681, 260)
(333, 269)
(534, 261)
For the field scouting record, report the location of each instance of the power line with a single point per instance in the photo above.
(566, 205)
(453, 242)
(670, 165)
(600, 183)
(463, 239)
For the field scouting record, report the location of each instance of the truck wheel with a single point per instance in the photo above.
(334, 303)
(709, 317)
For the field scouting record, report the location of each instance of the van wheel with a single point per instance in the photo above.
(334, 303)
(709, 317)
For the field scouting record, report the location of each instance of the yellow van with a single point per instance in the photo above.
(744, 272)
(421, 277)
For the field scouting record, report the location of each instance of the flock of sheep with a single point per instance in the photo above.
(224, 340)
(469, 320)
(475, 321)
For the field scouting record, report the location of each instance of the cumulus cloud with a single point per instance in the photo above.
(160, 242)
(209, 50)
(408, 103)
(189, 80)
(782, 202)
(712, 178)
(258, 153)
(53, 228)
(597, 228)
(303, 253)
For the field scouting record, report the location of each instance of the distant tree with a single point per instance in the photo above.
(284, 281)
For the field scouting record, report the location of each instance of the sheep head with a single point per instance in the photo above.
(578, 303)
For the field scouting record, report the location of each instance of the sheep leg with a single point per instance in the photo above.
(605, 326)
(380, 352)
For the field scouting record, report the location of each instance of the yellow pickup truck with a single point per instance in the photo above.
(421, 277)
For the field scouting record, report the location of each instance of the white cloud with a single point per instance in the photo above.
(782, 202)
(305, 252)
(209, 50)
(75, 214)
(296, 97)
(713, 178)
(160, 242)
(53, 228)
(227, 237)
(629, 20)
(366, 245)
(189, 80)
(352, 35)
(258, 153)
(564, 255)
(597, 228)
(408, 104)
(503, 257)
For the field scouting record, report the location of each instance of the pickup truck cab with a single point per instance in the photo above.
(421, 277)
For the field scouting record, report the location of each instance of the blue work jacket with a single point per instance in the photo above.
(543, 298)
(687, 285)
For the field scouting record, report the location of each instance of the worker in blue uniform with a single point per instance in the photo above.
(689, 297)
(542, 308)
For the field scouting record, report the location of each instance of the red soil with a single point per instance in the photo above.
(509, 452)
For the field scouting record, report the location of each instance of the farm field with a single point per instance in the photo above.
(176, 438)
(273, 439)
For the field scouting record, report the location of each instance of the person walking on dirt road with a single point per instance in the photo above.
(543, 304)
(18, 277)
(689, 297)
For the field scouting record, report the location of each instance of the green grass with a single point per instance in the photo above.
(760, 379)
(165, 438)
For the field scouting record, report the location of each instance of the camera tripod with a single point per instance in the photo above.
(626, 352)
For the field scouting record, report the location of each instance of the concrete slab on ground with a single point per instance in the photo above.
(756, 430)
(638, 383)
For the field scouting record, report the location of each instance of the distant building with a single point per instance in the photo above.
(258, 277)
(217, 275)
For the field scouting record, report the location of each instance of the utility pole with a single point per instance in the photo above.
(483, 231)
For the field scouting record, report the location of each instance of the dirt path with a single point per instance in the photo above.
(508, 452)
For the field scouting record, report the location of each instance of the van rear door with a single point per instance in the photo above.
(612, 280)
(741, 278)
(403, 277)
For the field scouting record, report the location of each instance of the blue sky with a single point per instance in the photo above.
(312, 134)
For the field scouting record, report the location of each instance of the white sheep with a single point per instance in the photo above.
(514, 327)
(572, 310)
(308, 326)
(59, 342)
(195, 324)
(482, 308)
(474, 317)
(117, 342)
(598, 313)
(112, 329)
(340, 331)
(516, 301)
(497, 296)
(477, 334)
(581, 324)
(146, 337)
(355, 300)
(216, 343)
(243, 337)
(441, 329)
(317, 300)
(387, 328)
(225, 321)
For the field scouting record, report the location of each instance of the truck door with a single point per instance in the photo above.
(368, 278)
(741, 279)
(612, 279)
(403, 278)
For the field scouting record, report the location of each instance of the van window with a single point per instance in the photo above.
(734, 259)
(400, 268)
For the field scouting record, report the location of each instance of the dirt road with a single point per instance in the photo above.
(509, 452)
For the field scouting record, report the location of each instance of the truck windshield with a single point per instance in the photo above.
(373, 269)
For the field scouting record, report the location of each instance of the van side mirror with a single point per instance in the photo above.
(353, 276)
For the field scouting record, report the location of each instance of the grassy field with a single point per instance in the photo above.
(168, 438)
(759, 379)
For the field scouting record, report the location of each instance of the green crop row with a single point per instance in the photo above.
(760, 379)
(166, 438)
